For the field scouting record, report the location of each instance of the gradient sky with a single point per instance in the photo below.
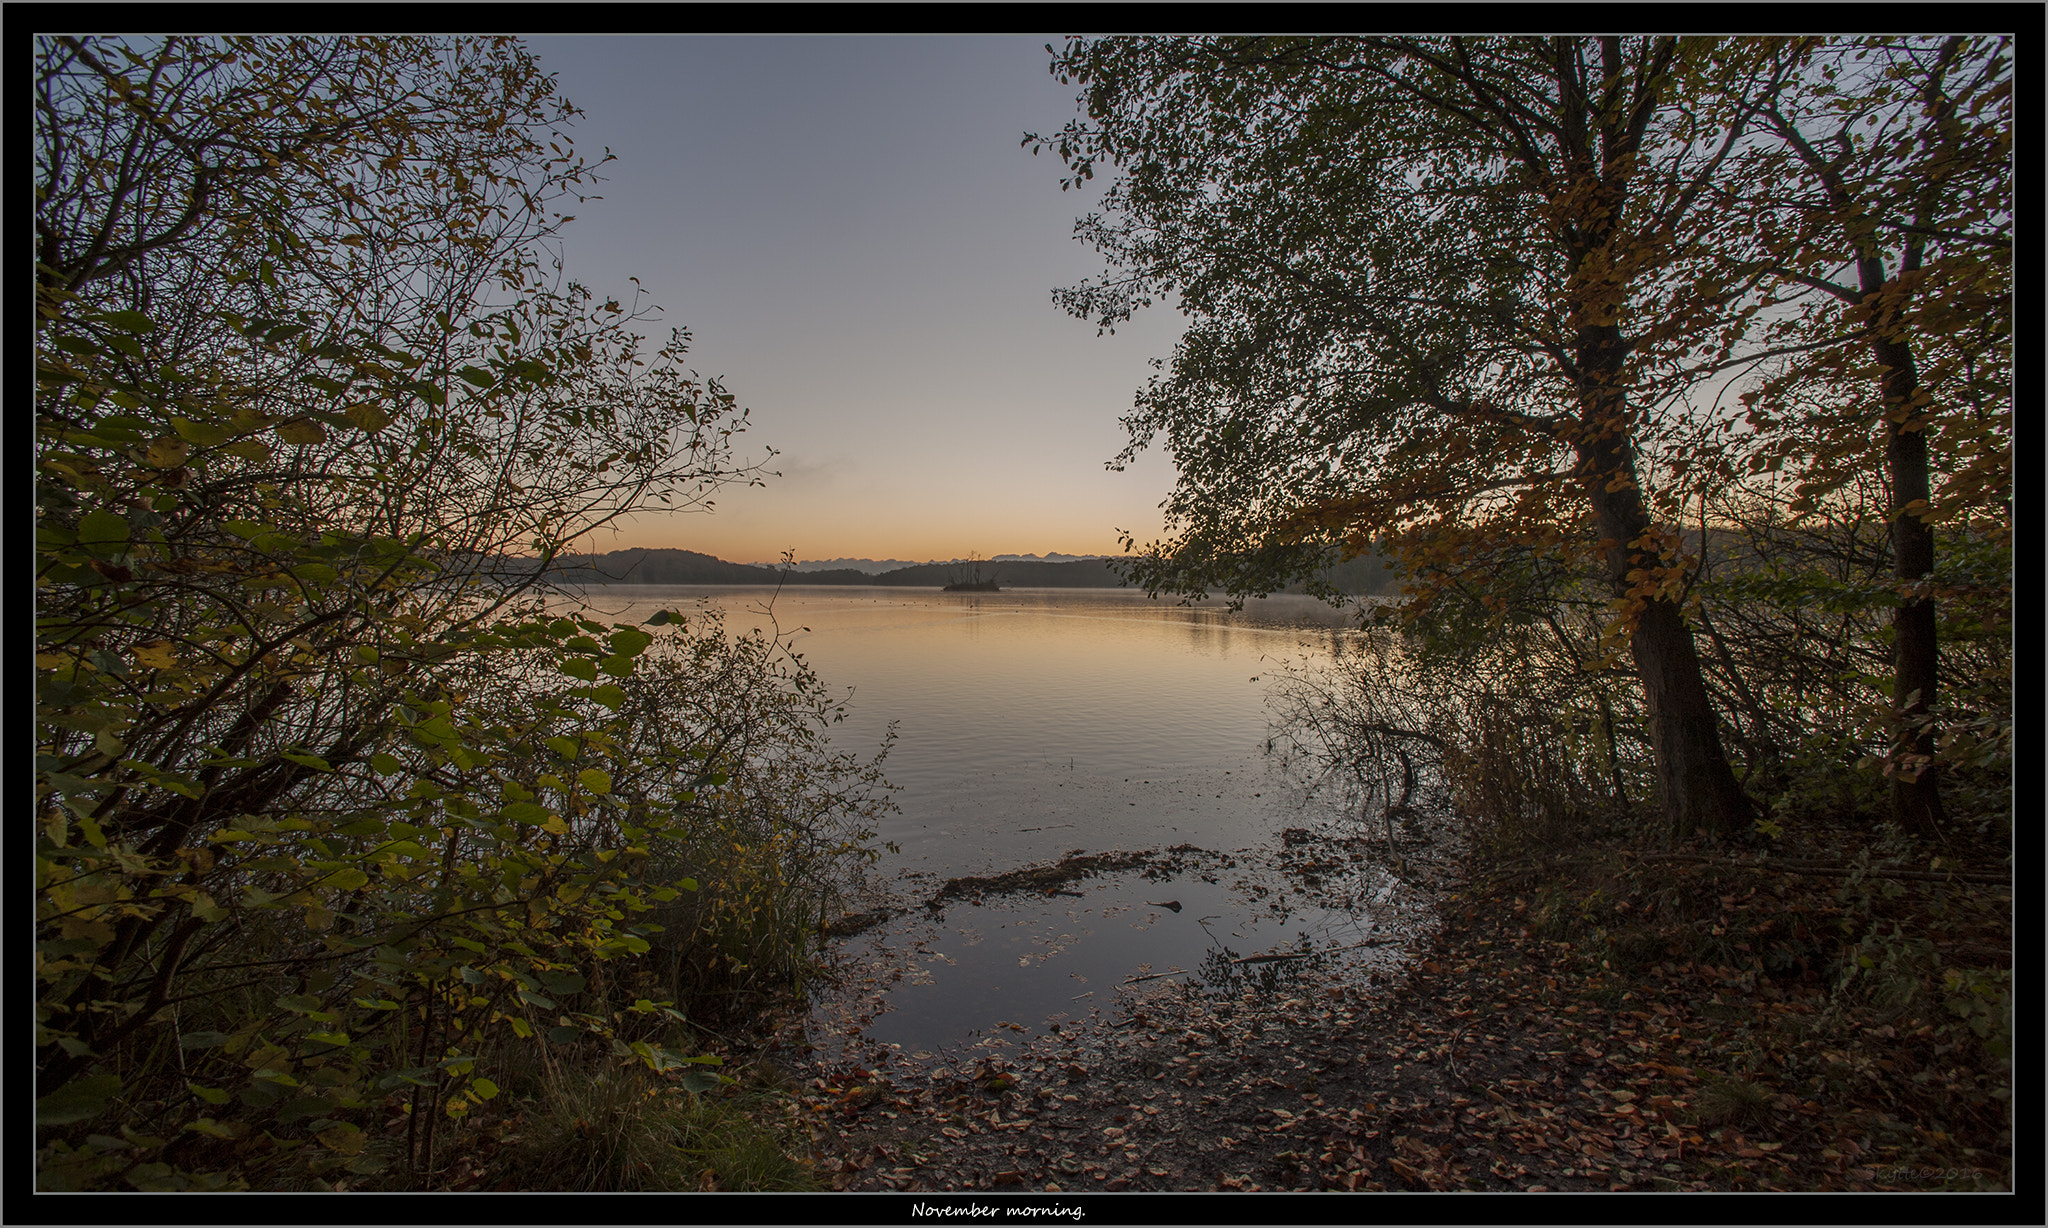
(863, 252)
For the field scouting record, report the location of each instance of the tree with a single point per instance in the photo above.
(327, 805)
(1892, 209)
(1444, 294)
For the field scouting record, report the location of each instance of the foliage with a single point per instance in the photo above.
(1892, 203)
(331, 816)
(1381, 292)
(1893, 173)
(777, 847)
(1444, 295)
(1585, 327)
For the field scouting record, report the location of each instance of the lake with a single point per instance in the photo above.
(1037, 723)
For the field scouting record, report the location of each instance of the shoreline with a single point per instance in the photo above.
(1509, 1055)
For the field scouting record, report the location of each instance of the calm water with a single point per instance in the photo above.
(1032, 724)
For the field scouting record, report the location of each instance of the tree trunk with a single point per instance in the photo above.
(1916, 796)
(1695, 784)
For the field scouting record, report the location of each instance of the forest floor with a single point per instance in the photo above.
(1585, 1020)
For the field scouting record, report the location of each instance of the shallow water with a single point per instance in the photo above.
(1032, 724)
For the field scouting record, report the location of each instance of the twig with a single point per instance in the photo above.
(1267, 959)
(1153, 976)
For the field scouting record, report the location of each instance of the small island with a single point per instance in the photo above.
(967, 578)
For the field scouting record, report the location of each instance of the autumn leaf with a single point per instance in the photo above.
(156, 654)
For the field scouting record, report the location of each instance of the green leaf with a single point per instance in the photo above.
(103, 532)
(524, 812)
(629, 642)
(205, 434)
(564, 983)
(702, 1080)
(385, 765)
(610, 695)
(580, 667)
(78, 1100)
(127, 321)
(595, 781)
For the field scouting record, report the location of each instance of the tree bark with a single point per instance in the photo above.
(1916, 653)
(1695, 783)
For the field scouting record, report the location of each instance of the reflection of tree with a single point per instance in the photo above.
(1229, 973)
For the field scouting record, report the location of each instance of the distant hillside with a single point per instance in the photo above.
(1087, 573)
(1361, 576)
(865, 566)
(876, 567)
(666, 566)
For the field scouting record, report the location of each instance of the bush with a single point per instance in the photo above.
(334, 823)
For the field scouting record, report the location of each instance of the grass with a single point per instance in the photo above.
(630, 1129)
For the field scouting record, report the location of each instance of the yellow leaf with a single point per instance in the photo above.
(343, 1138)
(166, 453)
(156, 654)
(368, 417)
(302, 431)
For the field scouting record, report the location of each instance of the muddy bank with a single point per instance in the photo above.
(1556, 1031)
(1168, 1080)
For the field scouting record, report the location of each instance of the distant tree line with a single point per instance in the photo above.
(1367, 575)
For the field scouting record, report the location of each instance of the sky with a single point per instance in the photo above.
(863, 252)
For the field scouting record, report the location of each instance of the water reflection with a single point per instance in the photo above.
(1032, 723)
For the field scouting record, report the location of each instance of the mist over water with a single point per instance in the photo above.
(1032, 724)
